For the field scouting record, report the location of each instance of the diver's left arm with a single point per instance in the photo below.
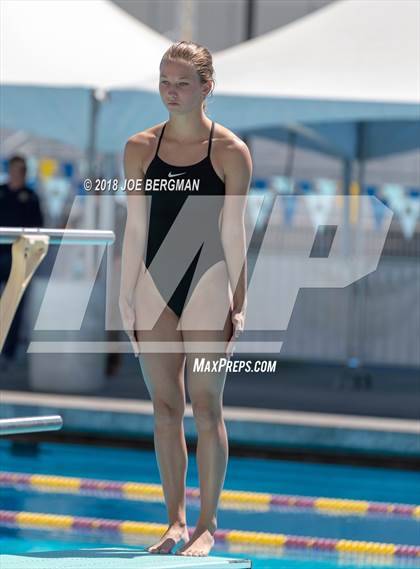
(237, 165)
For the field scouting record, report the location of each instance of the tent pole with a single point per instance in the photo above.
(362, 284)
(351, 326)
(249, 34)
(249, 19)
(270, 197)
(97, 96)
(347, 176)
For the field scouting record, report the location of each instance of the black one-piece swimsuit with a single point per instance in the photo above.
(164, 208)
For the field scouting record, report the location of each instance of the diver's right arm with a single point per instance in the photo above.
(134, 235)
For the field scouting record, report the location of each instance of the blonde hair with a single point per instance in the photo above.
(196, 54)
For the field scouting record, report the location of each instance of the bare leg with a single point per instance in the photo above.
(206, 392)
(164, 377)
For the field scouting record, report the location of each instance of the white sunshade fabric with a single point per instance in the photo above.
(54, 53)
(348, 63)
(68, 43)
(349, 50)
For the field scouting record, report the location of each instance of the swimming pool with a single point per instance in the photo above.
(283, 477)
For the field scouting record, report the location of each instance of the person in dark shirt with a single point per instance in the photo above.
(19, 207)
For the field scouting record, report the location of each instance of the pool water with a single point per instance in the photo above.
(251, 474)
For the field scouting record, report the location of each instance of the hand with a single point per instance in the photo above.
(128, 320)
(238, 321)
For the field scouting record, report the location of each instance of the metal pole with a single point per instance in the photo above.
(30, 425)
(187, 20)
(249, 20)
(249, 34)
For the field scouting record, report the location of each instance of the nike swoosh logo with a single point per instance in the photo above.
(170, 175)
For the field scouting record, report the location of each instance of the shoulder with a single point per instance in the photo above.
(234, 158)
(232, 152)
(140, 145)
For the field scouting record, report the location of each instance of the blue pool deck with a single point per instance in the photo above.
(116, 558)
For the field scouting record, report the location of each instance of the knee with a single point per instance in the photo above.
(167, 415)
(207, 413)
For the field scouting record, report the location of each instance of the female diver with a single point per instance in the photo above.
(207, 162)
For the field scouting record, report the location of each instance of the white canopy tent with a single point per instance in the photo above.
(58, 60)
(54, 55)
(348, 69)
(354, 44)
(348, 64)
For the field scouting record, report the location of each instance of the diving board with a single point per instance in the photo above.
(117, 558)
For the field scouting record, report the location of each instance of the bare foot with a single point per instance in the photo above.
(175, 533)
(201, 542)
